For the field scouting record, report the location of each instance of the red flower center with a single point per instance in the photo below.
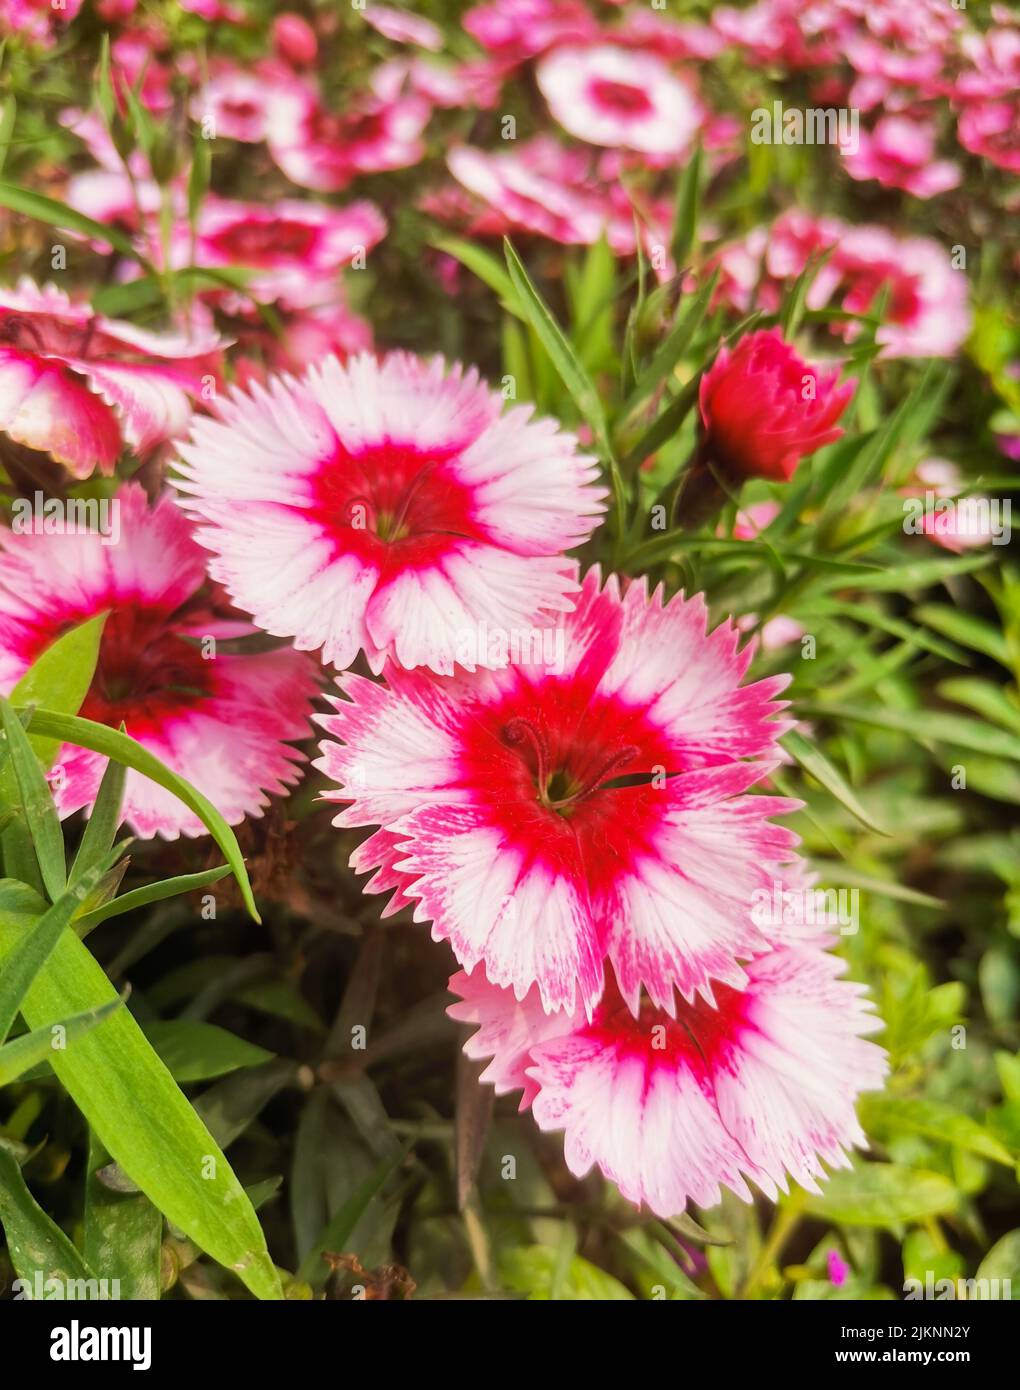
(390, 497)
(699, 1036)
(561, 788)
(145, 670)
(623, 98)
(256, 243)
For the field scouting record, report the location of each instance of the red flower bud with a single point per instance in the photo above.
(763, 408)
(294, 40)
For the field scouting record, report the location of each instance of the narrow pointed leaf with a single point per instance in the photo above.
(114, 744)
(31, 950)
(139, 1113)
(814, 761)
(37, 804)
(123, 1233)
(20, 1055)
(35, 1243)
(103, 821)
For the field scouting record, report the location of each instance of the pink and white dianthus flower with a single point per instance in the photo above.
(80, 387)
(620, 97)
(236, 103)
(221, 721)
(518, 29)
(587, 800)
(928, 314)
(385, 506)
(39, 21)
(316, 149)
(552, 191)
(756, 1088)
(401, 27)
(295, 246)
(900, 153)
(991, 130)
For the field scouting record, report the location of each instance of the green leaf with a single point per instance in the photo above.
(35, 1243)
(531, 1270)
(1001, 1263)
(282, 1000)
(122, 301)
(926, 725)
(149, 893)
(59, 678)
(198, 177)
(30, 1049)
(114, 744)
(964, 628)
(123, 1233)
(103, 820)
(337, 1231)
(921, 574)
(812, 760)
(984, 697)
(486, 267)
(7, 117)
(56, 214)
(882, 1194)
(673, 346)
(193, 1051)
(30, 951)
(565, 360)
(139, 1113)
(36, 802)
(933, 1119)
(685, 222)
(869, 460)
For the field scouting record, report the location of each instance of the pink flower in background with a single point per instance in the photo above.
(585, 801)
(116, 11)
(237, 103)
(463, 85)
(519, 29)
(81, 387)
(296, 246)
(669, 38)
(750, 523)
(995, 65)
(215, 11)
(769, 32)
(991, 129)
(294, 40)
(837, 1268)
(402, 27)
(763, 408)
(927, 314)
(297, 337)
(622, 98)
(386, 506)
(223, 723)
(900, 153)
(315, 149)
(553, 191)
(37, 20)
(757, 1086)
